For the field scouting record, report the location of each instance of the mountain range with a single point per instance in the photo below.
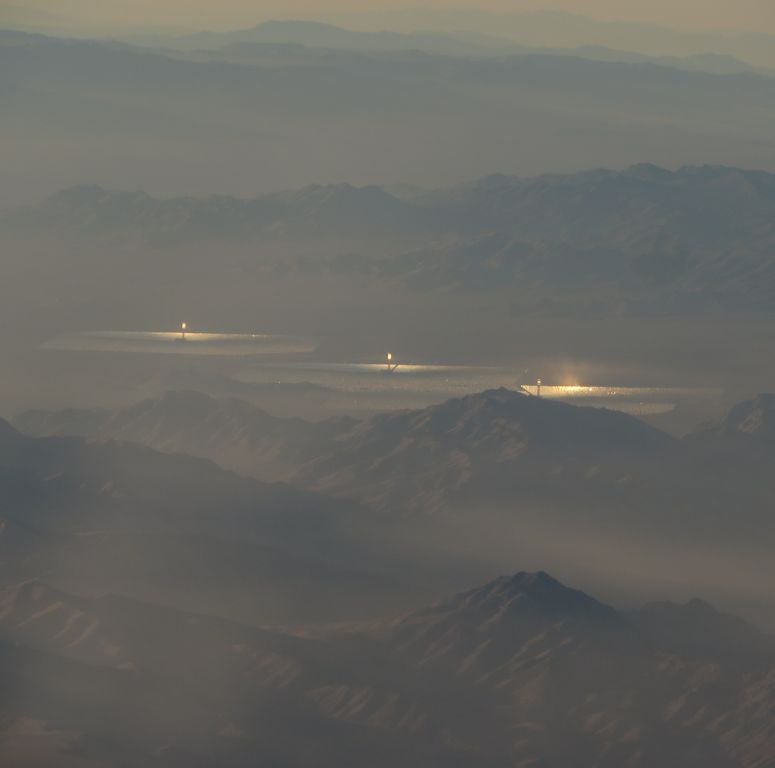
(283, 38)
(105, 515)
(292, 119)
(239, 549)
(643, 239)
(521, 670)
(158, 610)
(527, 474)
(641, 206)
(417, 460)
(479, 446)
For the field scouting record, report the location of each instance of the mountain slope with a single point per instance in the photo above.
(702, 206)
(231, 432)
(487, 632)
(117, 516)
(482, 444)
(522, 670)
(312, 211)
(696, 205)
(750, 424)
(641, 239)
(457, 490)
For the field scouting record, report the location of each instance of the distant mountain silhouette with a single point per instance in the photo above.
(288, 118)
(287, 36)
(315, 210)
(643, 239)
(643, 205)
(313, 34)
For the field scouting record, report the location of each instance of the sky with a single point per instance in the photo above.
(732, 15)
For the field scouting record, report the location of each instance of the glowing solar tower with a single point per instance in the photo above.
(538, 388)
(183, 327)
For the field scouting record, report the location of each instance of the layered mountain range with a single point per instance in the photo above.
(137, 587)
(194, 581)
(522, 670)
(287, 117)
(102, 515)
(643, 205)
(428, 456)
(487, 445)
(643, 238)
(460, 487)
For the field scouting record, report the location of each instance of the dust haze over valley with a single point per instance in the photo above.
(387, 387)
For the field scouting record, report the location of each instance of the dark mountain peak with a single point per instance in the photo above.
(534, 579)
(753, 417)
(529, 594)
(487, 445)
(490, 398)
(752, 421)
(523, 596)
(508, 624)
(503, 414)
(701, 607)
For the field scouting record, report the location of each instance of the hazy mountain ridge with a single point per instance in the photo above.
(750, 424)
(359, 120)
(619, 207)
(555, 28)
(246, 542)
(315, 210)
(493, 440)
(136, 521)
(488, 439)
(642, 239)
(311, 34)
(519, 471)
(316, 36)
(243, 437)
(679, 685)
(637, 240)
(642, 204)
(487, 661)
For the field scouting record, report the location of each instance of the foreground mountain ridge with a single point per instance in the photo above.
(546, 672)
